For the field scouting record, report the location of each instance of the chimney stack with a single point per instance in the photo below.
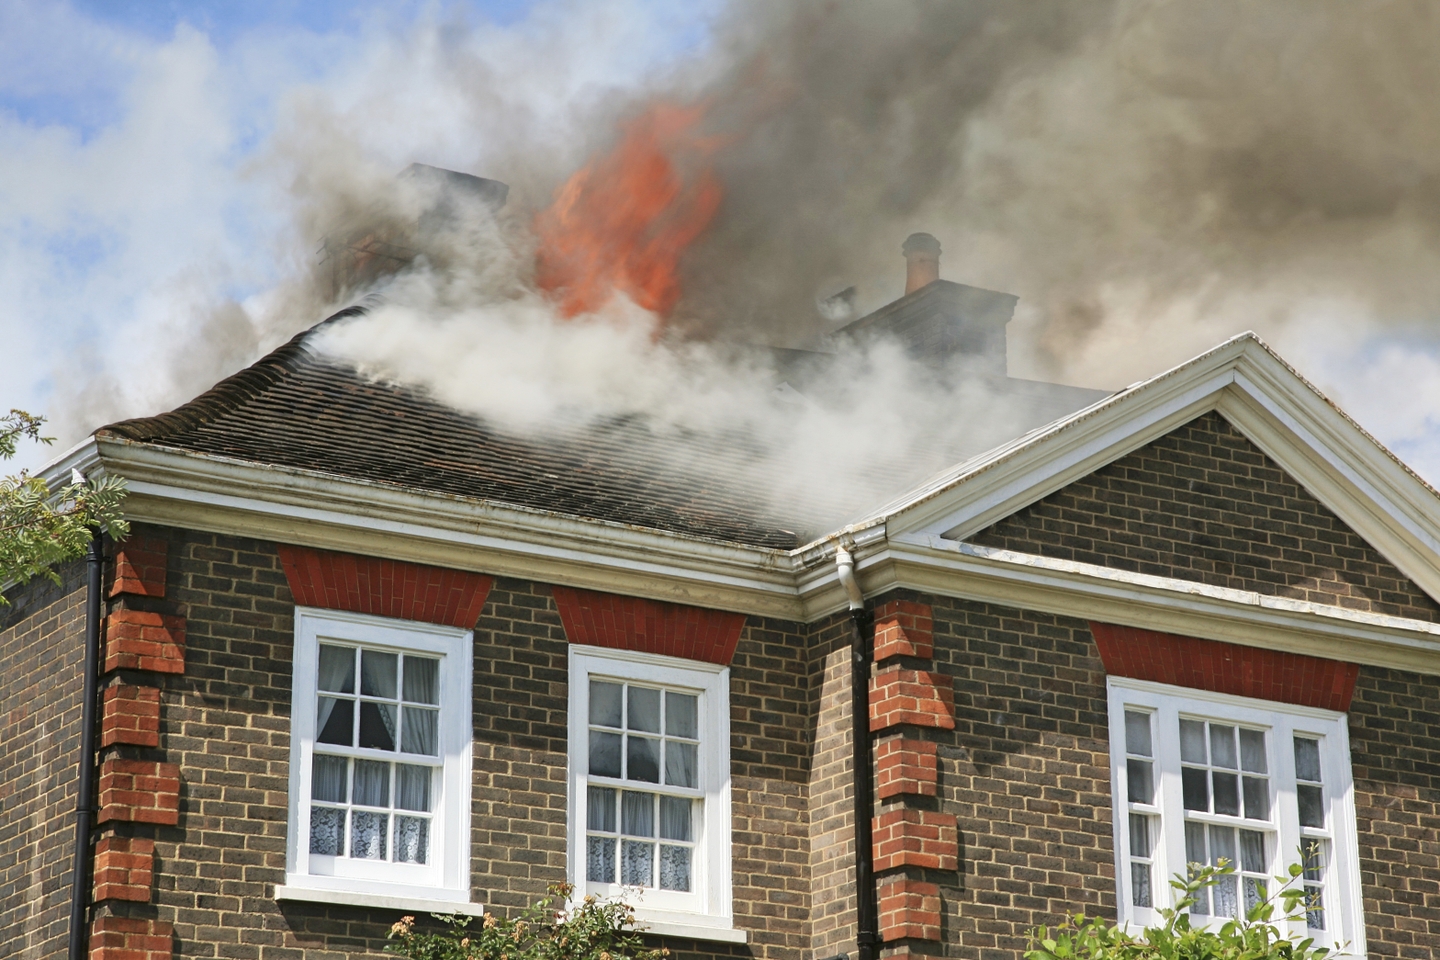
(922, 261)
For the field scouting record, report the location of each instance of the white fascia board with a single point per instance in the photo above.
(938, 565)
(177, 488)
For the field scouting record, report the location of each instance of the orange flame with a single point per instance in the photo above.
(621, 223)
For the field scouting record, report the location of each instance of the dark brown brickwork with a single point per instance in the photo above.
(1395, 752)
(1203, 503)
(41, 646)
(831, 792)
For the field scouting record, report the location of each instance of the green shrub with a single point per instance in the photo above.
(1257, 937)
(551, 929)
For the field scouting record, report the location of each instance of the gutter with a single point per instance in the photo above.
(85, 794)
(862, 631)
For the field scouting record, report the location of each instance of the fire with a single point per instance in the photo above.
(621, 223)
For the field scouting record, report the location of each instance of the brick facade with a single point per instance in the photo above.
(990, 726)
(1203, 503)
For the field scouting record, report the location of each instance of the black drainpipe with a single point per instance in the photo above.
(85, 796)
(867, 914)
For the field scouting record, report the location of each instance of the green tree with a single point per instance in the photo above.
(40, 527)
(1258, 936)
(550, 929)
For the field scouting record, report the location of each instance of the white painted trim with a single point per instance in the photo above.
(1282, 721)
(688, 929)
(710, 905)
(447, 877)
(379, 901)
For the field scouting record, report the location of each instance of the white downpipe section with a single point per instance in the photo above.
(845, 569)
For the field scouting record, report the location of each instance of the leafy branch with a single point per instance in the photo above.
(40, 527)
(1257, 937)
(550, 929)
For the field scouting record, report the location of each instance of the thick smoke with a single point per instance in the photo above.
(1149, 178)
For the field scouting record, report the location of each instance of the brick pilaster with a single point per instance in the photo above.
(130, 715)
(916, 838)
(124, 869)
(921, 698)
(140, 567)
(909, 909)
(141, 640)
(906, 767)
(129, 938)
(141, 791)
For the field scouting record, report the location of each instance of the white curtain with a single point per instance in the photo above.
(336, 673)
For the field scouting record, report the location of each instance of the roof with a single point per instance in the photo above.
(300, 409)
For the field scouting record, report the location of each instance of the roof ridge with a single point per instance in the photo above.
(229, 392)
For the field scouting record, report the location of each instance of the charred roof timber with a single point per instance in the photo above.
(938, 320)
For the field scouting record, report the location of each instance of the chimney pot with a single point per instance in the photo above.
(922, 261)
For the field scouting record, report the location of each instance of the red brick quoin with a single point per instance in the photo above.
(904, 629)
(909, 909)
(906, 767)
(384, 588)
(143, 791)
(124, 869)
(130, 715)
(918, 697)
(140, 567)
(1225, 667)
(138, 640)
(127, 938)
(916, 838)
(648, 626)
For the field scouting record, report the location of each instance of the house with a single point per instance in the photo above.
(365, 655)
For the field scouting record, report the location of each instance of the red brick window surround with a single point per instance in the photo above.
(1232, 668)
(384, 588)
(648, 626)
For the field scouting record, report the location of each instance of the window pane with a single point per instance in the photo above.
(1195, 853)
(1192, 741)
(1257, 798)
(1312, 806)
(1222, 746)
(1254, 893)
(675, 868)
(412, 787)
(327, 831)
(368, 834)
(1226, 896)
(600, 809)
(1140, 884)
(637, 814)
(421, 733)
(642, 759)
(1252, 851)
(1222, 846)
(327, 779)
(644, 710)
(1252, 751)
(636, 860)
(1139, 836)
(1307, 759)
(337, 669)
(1227, 793)
(372, 783)
(377, 674)
(680, 715)
(1314, 908)
(1195, 786)
(675, 818)
(1141, 783)
(605, 704)
(412, 839)
(1137, 733)
(335, 719)
(422, 679)
(680, 764)
(604, 754)
(600, 859)
(377, 725)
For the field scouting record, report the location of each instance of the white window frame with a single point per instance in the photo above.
(1283, 721)
(443, 885)
(706, 912)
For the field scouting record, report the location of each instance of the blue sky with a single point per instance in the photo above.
(151, 156)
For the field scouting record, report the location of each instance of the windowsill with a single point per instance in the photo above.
(379, 901)
(683, 927)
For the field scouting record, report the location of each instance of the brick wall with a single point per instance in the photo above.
(1203, 503)
(42, 644)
